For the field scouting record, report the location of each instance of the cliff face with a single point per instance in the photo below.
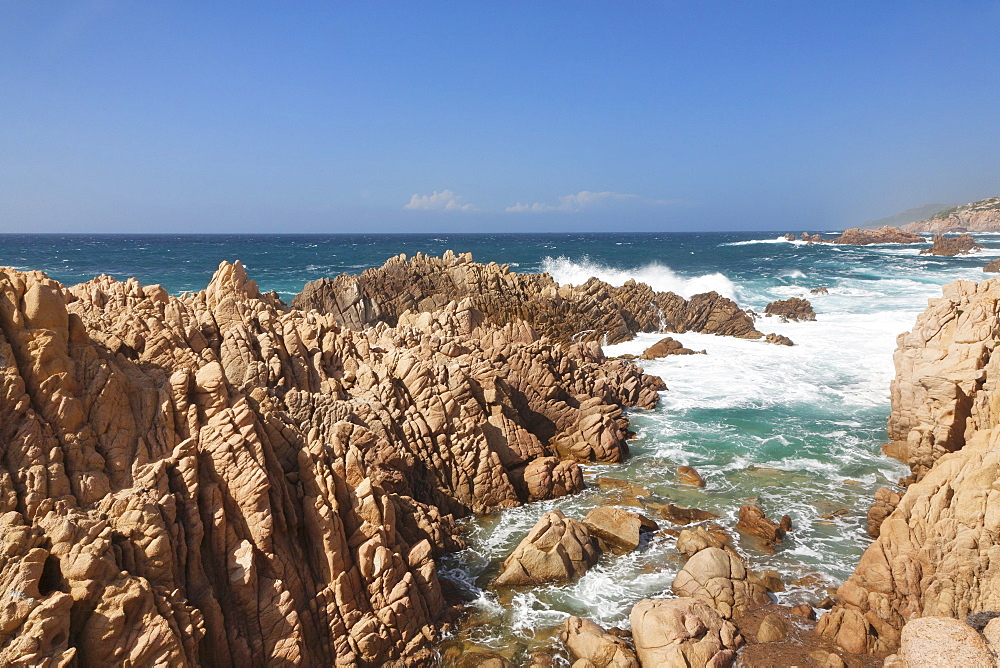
(938, 550)
(594, 311)
(218, 480)
(981, 216)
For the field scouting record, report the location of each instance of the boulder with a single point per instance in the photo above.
(772, 629)
(667, 346)
(719, 577)
(794, 308)
(588, 641)
(618, 527)
(689, 476)
(678, 633)
(694, 540)
(753, 521)
(557, 549)
(779, 340)
(993, 267)
(679, 515)
(942, 642)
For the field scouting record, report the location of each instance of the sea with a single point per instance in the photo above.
(796, 430)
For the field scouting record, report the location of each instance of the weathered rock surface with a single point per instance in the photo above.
(217, 479)
(963, 244)
(718, 577)
(883, 235)
(753, 521)
(942, 642)
(621, 528)
(993, 267)
(588, 641)
(936, 551)
(690, 476)
(779, 339)
(772, 629)
(594, 311)
(682, 632)
(557, 549)
(793, 308)
(981, 216)
(886, 501)
(667, 346)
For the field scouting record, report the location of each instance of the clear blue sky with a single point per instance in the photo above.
(492, 116)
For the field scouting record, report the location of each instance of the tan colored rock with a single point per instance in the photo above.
(720, 578)
(942, 642)
(679, 515)
(557, 549)
(793, 308)
(754, 521)
(772, 629)
(826, 659)
(689, 476)
(694, 540)
(664, 347)
(589, 642)
(991, 632)
(217, 479)
(993, 267)
(618, 527)
(681, 633)
(886, 501)
(594, 311)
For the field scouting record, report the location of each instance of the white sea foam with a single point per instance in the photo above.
(776, 240)
(659, 277)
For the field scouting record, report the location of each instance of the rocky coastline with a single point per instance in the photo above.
(980, 216)
(219, 478)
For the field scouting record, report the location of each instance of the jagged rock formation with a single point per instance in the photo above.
(884, 235)
(594, 311)
(793, 308)
(981, 216)
(557, 549)
(219, 480)
(936, 550)
(963, 244)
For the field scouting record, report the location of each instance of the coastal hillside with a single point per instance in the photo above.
(935, 554)
(906, 217)
(217, 479)
(981, 216)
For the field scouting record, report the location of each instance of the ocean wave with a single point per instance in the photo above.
(659, 277)
(776, 240)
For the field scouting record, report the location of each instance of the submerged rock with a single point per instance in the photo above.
(689, 476)
(557, 549)
(754, 521)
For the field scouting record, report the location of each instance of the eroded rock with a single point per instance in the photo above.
(557, 549)
(589, 642)
(681, 633)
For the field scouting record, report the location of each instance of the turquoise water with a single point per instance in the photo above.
(796, 429)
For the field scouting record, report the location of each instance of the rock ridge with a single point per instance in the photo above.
(593, 311)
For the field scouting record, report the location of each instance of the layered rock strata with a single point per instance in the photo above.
(937, 546)
(216, 479)
(594, 311)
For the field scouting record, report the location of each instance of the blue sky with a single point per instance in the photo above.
(492, 116)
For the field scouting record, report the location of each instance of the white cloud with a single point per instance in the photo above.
(582, 201)
(446, 200)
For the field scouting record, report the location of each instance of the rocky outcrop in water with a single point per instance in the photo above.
(594, 311)
(981, 216)
(793, 308)
(963, 244)
(217, 479)
(557, 549)
(934, 555)
(884, 235)
(588, 642)
(993, 267)
(667, 346)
